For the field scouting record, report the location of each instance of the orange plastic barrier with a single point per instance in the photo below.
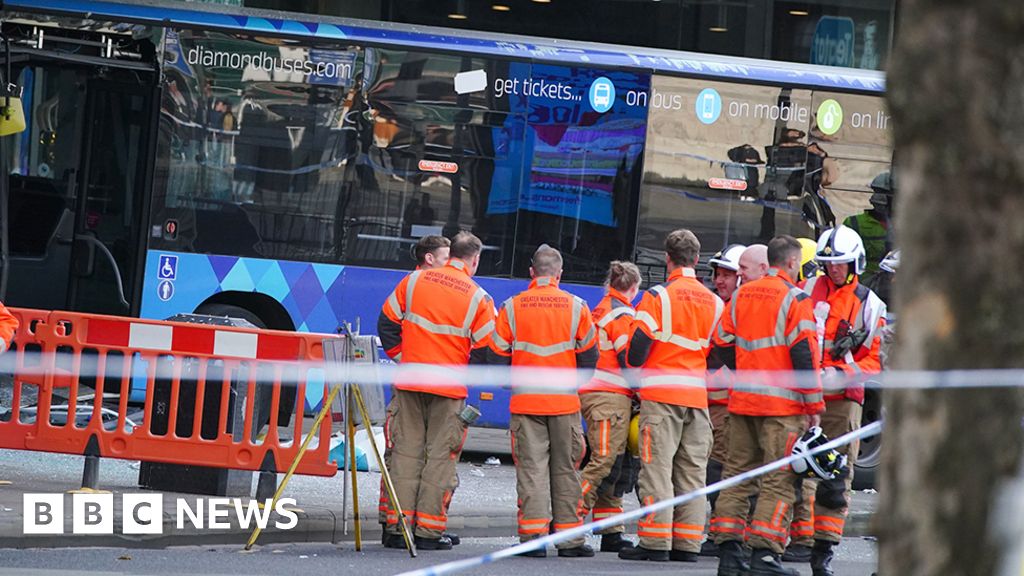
(21, 363)
(189, 369)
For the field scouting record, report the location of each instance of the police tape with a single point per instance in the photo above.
(540, 543)
(541, 380)
(520, 378)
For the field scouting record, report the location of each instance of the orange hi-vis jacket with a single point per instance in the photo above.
(671, 340)
(614, 318)
(433, 318)
(8, 324)
(545, 327)
(719, 377)
(851, 308)
(769, 333)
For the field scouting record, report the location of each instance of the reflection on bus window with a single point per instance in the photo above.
(759, 168)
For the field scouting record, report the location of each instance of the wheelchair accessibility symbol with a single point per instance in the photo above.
(167, 268)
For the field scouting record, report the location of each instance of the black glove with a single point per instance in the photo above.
(847, 340)
(832, 493)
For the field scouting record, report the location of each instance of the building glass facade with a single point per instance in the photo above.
(848, 33)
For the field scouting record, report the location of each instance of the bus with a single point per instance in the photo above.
(279, 167)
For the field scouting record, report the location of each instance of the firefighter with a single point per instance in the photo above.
(801, 529)
(768, 334)
(852, 320)
(809, 267)
(753, 263)
(546, 327)
(429, 252)
(670, 343)
(607, 403)
(725, 266)
(434, 317)
(874, 225)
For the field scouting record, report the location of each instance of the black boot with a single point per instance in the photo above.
(797, 553)
(709, 548)
(614, 542)
(393, 541)
(821, 558)
(442, 543)
(454, 538)
(538, 553)
(641, 553)
(682, 556)
(732, 559)
(764, 562)
(581, 551)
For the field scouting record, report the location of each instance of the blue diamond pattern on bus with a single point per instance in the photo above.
(307, 292)
(258, 269)
(312, 294)
(273, 283)
(222, 265)
(238, 279)
(327, 274)
(336, 295)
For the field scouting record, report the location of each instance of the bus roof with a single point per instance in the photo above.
(572, 53)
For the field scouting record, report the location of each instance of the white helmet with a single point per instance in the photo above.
(728, 258)
(891, 262)
(826, 465)
(842, 244)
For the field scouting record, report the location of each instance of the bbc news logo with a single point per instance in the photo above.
(144, 513)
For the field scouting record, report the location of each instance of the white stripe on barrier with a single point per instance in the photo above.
(237, 344)
(460, 565)
(150, 336)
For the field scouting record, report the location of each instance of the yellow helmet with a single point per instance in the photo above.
(633, 441)
(809, 267)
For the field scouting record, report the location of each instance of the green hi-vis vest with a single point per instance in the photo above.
(876, 240)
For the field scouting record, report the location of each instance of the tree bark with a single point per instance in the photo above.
(956, 93)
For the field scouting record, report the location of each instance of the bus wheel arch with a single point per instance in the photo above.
(258, 308)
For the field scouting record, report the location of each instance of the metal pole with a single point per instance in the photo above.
(351, 460)
(346, 413)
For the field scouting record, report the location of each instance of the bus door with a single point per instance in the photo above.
(77, 180)
(112, 202)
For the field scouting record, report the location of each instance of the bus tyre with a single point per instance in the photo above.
(870, 454)
(231, 311)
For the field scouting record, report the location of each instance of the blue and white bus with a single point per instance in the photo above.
(182, 158)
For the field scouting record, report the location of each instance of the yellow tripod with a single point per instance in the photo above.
(352, 396)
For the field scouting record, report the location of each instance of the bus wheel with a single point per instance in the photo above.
(870, 454)
(215, 309)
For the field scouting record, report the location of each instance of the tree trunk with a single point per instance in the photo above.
(956, 93)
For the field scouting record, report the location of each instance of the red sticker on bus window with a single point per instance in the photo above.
(438, 166)
(727, 184)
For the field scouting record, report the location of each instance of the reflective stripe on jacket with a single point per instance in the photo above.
(771, 325)
(443, 316)
(613, 317)
(861, 309)
(679, 317)
(545, 327)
